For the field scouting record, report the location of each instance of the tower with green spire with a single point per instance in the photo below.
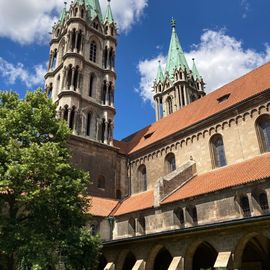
(81, 74)
(176, 86)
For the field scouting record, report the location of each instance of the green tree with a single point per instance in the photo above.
(42, 195)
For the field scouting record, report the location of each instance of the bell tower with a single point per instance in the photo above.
(178, 86)
(81, 72)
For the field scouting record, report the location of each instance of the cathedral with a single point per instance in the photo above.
(190, 191)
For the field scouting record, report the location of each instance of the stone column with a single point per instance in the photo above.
(177, 263)
(50, 61)
(63, 85)
(106, 132)
(177, 101)
(181, 97)
(82, 44)
(97, 129)
(69, 115)
(72, 79)
(112, 98)
(107, 94)
(70, 41)
(157, 109)
(185, 96)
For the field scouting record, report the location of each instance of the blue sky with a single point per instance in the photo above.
(227, 38)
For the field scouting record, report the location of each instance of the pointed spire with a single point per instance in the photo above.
(176, 57)
(108, 16)
(63, 14)
(160, 76)
(95, 9)
(195, 71)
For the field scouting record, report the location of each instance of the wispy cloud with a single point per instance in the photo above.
(14, 73)
(245, 5)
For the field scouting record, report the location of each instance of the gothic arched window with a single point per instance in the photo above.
(65, 116)
(91, 85)
(142, 177)
(88, 124)
(170, 164)
(244, 204)
(72, 118)
(263, 131)
(93, 51)
(101, 182)
(218, 151)
(76, 78)
(169, 105)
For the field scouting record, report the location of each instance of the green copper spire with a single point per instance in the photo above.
(109, 16)
(195, 71)
(95, 9)
(63, 14)
(160, 75)
(176, 57)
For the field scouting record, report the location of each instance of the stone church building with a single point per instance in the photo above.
(190, 191)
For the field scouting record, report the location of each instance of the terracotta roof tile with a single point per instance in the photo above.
(101, 207)
(136, 202)
(245, 87)
(241, 173)
(123, 146)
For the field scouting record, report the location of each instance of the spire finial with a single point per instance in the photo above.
(173, 23)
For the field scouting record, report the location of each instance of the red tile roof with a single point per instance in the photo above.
(136, 202)
(101, 207)
(238, 174)
(243, 88)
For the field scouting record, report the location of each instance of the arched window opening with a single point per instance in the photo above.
(79, 41)
(91, 85)
(103, 127)
(111, 58)
(204, 257)
(54, 59)
(182, 91)
(256, 254)
(58, 83)
(244, 204)
(93, 51)
(76, 78)
(106, 30)
(179, 218)
(69, 77)
(72, 118)
(118, 194)
(88, 124)
(192, 212)
(169, 105)
(58, 32)
(110, 93)
(101, 182)
(93, 229)
(141, 226)
(142, 177)
(163, 260)
(76, 12)
(105, 57)
(170, 163)
(65, 116)
(49, 91)
(104, 91)
(129, 262)
(82, 13)
(73, 39)
(95, 25)
(181, 75)
(263, 132)
(131, 227)
(263, 201)
(160, 108)
(218, 151)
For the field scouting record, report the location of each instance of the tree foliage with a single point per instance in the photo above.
(43, 207)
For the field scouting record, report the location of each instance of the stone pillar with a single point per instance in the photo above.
(106, 132)
(63, 85)
(107, 94)
(139, 265)
(70, 34)
(82, 44)
(177, 263)
(177, 101)
(69, 115)
(185, 96)
(97, 129)
(50, 61)
(112, 98)
(157, 109)
(72, 79)
(109, 266)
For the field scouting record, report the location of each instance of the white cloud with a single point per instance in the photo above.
(245, 5)
(220, 59)
(29, 21)
(17, 72)
(126, 12)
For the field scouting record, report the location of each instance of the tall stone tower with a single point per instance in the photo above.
(81, 75)
(178, 85)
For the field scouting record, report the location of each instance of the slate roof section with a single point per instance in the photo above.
(241, 89)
